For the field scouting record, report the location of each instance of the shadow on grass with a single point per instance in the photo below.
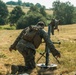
(40, 71)
(46, 71)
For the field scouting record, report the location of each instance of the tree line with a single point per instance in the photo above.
(63, 11)
(24, 4)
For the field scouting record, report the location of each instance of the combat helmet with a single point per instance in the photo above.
(41, 23)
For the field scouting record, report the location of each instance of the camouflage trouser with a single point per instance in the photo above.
(29, 57)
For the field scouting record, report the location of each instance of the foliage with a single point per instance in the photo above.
(74, 17)
(19, 2)
(63, 11)
(3, 13)
(15, 14)
(42, 11)
(33, 9)
(14, 3)
(38, 5)
(11, 3)
(27, 4)
(30, 19)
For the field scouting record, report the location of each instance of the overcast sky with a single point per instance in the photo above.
(47, 3)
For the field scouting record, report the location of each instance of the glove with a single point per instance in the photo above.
(12, 47)
(57, 54)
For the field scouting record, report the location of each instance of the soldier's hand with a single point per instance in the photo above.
(57, 54)
(12, 48)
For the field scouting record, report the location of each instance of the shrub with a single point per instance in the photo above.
(30, 19)
(3, 13)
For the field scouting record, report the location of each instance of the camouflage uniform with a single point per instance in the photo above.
(27, 49)
(54, 25)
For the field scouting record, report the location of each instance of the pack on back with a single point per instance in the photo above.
(31, 36)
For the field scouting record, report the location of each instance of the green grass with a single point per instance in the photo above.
(7, 27)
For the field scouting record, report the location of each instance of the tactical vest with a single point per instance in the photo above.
(32, 36)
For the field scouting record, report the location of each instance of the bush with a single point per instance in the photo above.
(15, 14)
(30, 19)
(2, 21)
(3, 13)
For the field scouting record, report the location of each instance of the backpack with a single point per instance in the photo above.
(32, 35)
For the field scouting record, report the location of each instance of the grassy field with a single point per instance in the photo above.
(67, 66)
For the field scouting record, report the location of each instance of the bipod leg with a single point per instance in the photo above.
(42, 54)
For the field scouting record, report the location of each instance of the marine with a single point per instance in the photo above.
(26, 43)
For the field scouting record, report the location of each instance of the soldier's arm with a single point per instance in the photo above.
(49, 43)
(13, 46)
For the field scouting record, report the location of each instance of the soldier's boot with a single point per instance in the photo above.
(19, 69)
(14, 69)
(23, 69)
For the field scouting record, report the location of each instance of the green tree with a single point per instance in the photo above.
(63, 11)
(30, 19)
(42, 11)
(27, 4)
(38, 5)
(15, 14)
(33, 9)
(11, 3)
(74, 19)
(19, 2)
(3, 13)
